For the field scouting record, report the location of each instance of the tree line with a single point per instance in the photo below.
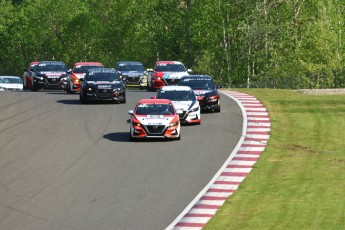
(240, 43)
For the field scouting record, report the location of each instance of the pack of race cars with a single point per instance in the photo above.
(180, 99)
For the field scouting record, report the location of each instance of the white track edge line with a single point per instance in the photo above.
(233, 153)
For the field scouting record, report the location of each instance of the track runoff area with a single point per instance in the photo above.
(255, 134)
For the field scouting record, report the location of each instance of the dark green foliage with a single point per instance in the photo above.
(273, 44)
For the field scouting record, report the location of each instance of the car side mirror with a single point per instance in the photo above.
(219, 86)
(131, 112)
(189, 71)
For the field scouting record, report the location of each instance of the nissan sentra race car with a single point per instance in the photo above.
(78, 71)
(48, 74)
(102, 84)
(133, 73)
(154, 118)
(183, 99)
(205, 90)
(166, 73)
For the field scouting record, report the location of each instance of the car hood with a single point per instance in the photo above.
(133, 73)
(104, 84)
(183, 105)
(174, 75)
(202, 92)
(79, 75)
(155, 119)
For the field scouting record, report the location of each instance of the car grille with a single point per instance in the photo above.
(104, 92)
(183, 115)
(52, 81)
(155, 129)
(133, 80)
(173, 81)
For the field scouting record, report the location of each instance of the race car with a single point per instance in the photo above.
(205, 90)
(154, 118)
(102, 84)
(11, 83)
(166, 73)
(183, 99)
(48, 74)
(78, 71)
(27, 74)
(133, 73)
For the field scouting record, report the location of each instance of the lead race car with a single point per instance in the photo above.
(154, 118)
(183, 99)
(102, 84)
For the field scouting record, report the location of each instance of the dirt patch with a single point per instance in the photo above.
(322, 91)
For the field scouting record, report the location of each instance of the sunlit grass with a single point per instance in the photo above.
(299, 180)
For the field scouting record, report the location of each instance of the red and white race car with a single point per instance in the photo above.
(154, 118)
(72, 83)
(27, 75)
(166, 73)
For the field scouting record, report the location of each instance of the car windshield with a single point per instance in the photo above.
(11, 80)
(101, 76)
(84, 68)
(51, 67)
(131, 67)
(176, 95)
(170, 68)
(198, 83)
(155, 109)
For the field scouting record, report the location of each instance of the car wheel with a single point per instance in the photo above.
(179, 137)
(82, 99)
(33, 87)
(217, 110)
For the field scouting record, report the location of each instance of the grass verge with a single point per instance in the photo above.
(299, 180)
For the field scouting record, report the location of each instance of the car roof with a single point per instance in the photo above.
(88, 63)
(169, 62)
(129, 62)
(42, 62)
(176, 88)
(155, 101)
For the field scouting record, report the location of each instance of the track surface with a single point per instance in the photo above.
(69, 166)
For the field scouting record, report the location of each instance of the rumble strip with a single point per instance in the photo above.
(255, 134)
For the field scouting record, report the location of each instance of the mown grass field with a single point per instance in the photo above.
(299, 180)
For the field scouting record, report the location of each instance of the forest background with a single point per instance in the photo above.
(240, 43)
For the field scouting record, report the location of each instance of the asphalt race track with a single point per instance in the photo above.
(67, 166)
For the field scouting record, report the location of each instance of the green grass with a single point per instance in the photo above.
(299, 180)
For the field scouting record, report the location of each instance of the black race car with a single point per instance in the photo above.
(48, 74)
(205, 90)
(102, 84)
(133, 73)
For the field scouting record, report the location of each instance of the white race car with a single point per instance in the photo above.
(154, 118)
(12, 83)
(183, 99)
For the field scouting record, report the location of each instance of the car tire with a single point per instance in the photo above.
(33, 87)
(217, 110)
(82, 99)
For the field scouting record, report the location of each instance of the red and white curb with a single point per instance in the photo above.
(255, 134)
